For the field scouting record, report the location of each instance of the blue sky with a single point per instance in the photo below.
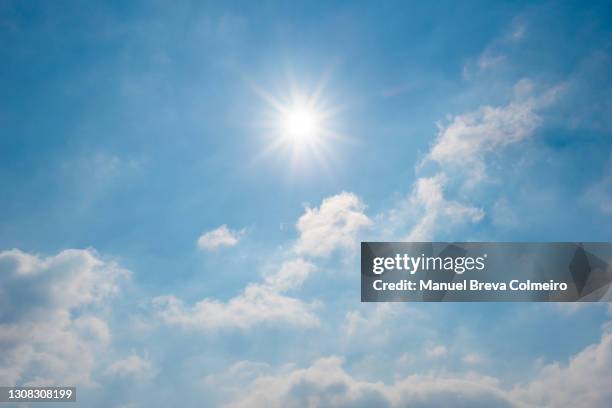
(148, 227)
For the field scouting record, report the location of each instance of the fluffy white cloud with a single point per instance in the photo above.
(133, 366)
(460, 151)
(258, 303)
(219, 237)
(333, 225)
(47, 315)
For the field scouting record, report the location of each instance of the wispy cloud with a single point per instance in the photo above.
(464, 143)
(435, 210)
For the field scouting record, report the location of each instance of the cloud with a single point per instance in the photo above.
(464, 142)
(133, 366)
(326, 384)
(582, 382)
(460, 152)
(333, 225)
(259, 303)
(218, 238)
(434, 210)
(373, 323)
(48, 315)
(436, 351)
(291, 275)
(497, 51)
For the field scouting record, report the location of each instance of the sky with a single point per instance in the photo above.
(167, 236)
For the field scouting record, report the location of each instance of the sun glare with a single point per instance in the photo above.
(301, 124)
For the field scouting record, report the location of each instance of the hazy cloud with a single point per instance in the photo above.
(133, 366)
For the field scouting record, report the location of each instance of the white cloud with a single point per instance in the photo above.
(218, 238)
(333, 225)
(464, 142)
(460, 152)
(47, 315)
(583, 383)
(133, 366)
(373, 322)
(434, 211)
(231, 381)
(436, 351)
(257, 304)
(290, 275)
(326, 384)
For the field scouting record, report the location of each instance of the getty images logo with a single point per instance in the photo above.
(413, 264)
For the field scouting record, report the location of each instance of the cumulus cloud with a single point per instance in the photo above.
(218, 238)
(583, 382)
(326, 384)
(290, 275)
(333, 225)
(48, 315)
(133, 366)
(259, 303)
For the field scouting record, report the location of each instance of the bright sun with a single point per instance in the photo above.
(301, 124)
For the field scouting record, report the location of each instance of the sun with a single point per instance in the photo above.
(301, 124)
